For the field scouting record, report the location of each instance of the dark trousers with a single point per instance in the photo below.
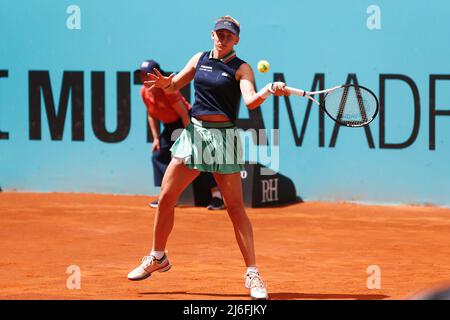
(161, 158)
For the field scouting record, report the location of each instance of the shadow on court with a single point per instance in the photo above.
(279, 295)
(318, 296)
(225, 295)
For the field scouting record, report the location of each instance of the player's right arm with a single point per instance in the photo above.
(187, 74)
(174, 82)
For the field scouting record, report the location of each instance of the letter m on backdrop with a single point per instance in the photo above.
(39, 87)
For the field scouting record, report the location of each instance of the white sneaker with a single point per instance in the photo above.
(254, 282)
(149, 265)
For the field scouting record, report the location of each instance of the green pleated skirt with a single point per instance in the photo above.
(210, 147)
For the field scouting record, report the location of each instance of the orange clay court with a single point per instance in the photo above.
(305, 251)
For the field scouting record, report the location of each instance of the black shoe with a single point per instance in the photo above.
(216, 204)
(154, 204)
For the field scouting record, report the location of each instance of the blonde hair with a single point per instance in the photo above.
(229, 18)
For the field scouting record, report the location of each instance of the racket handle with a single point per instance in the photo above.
(296, 92)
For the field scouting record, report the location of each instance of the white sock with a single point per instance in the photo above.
(157, 254)
(252, 269)
(216, 194)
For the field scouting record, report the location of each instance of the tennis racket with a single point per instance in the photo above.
(349, 105)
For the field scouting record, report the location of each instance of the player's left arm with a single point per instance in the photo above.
(246, 82)
(254, 99)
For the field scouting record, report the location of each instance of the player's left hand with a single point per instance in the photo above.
(279, 89)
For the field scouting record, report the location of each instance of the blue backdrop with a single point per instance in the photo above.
(399, 49)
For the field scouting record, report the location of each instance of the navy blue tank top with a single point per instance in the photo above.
(216, 89)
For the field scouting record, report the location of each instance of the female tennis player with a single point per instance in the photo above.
(220, 79)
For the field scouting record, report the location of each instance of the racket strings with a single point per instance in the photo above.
(351, 105)
(342, 104)
(361, 104)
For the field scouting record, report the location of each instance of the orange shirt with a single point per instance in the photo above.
(159, 104)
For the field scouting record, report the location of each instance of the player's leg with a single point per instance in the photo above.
(231, 187)
(176, 178)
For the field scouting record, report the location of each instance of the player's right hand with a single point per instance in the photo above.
(279, 89)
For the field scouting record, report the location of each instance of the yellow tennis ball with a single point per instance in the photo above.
(263, 66)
